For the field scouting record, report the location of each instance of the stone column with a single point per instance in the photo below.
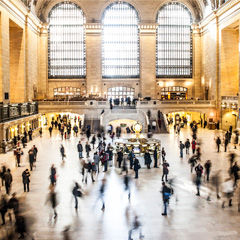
(42, 85)
(198, 90)
(148, 59)
(4, 58)
(94, 58)
(238, 110)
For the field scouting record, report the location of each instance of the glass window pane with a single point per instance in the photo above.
(174, 41)
(66, 41)
(120, 40)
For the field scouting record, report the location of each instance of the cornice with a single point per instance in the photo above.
(18, 10)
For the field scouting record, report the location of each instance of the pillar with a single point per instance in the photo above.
(148, 59)
(198, 90)
(94, 58)
(42, 85)
(4, 58)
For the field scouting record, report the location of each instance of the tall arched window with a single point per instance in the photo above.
(120, 57)
(174, 41)
(66, 42)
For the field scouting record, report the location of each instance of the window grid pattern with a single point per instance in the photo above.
(120, 92)
(174, 42)
(62, 91)
(66, 42)
(120, 45)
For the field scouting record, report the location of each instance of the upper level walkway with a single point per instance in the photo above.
(84, 107)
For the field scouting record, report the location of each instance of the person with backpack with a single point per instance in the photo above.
(166, 193)
(187, 146)
(181, 146)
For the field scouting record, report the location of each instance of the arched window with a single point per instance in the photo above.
(120, 57)
(174, 41)
(66, 42)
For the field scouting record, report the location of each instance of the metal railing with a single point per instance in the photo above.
(17, 110)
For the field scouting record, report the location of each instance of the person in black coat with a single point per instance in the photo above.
(155, 155)
(119, 157)
(93, 141)
(53, 175)
(26, 179)
(234, 171)
(136, 166)
(148, 159)
(31, 158)
(218, 142)
(88, 133)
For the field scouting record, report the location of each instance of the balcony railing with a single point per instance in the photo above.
(18, 110)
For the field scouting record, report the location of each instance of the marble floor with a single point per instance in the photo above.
(189, 217)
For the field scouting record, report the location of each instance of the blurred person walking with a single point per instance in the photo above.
(135, 226)
(77, 193)
(228, 192)
(234, 170)
(207, 167)
(53, 175)
(26, 180)
(7, 176)
(3, 207)
(52, 201)
(166, 193)
(62, 151)
(102, 192)
(199, 171)
(96, 159)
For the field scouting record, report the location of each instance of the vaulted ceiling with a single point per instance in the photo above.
(147, 9)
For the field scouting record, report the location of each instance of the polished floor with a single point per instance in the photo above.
(189, 217)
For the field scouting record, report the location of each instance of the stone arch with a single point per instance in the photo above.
(193, 7)
(109, 3)
(47, 6)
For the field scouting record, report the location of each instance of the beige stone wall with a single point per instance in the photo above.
(17, 64)
(229, 62)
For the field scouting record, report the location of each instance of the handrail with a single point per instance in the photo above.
(165, 122)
